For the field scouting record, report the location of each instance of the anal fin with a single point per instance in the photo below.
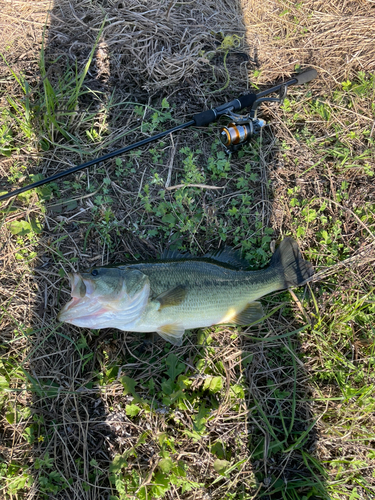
(252, 313)
(172, 332)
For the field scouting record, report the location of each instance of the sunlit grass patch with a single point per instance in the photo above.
(341, 362)
(330, 199)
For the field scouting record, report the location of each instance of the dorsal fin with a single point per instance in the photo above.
(176, 255)
(226, 255)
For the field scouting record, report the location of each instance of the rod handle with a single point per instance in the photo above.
(211, 115)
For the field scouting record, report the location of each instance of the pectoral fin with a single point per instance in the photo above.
(172, 297)
(252, 313)
(172, 333)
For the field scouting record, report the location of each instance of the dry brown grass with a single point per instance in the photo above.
(335, 37)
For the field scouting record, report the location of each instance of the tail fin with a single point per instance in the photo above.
(288, 261)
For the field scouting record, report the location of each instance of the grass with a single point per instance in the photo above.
(280, 410)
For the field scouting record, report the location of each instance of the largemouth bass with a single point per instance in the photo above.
(172, 296)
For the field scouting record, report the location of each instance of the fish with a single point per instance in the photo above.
(181, 292)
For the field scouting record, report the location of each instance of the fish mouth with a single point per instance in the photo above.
(82, 307)
(98, 306)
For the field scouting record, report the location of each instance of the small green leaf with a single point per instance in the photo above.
(111, 373)
(237, 391)
(161, 485)
(28, 434)
(44, 145)
(143, 438)
(164, 103)
(71, 205)
(85, 486)
(221, 466)
(132, 410)
(118, 462)
(247, 358)
(18, 483)
(168, 386)
(4, 384)
(199, 421)
(129, 385)
(20, 227)
(165, 465)
(10, 417)
(165, 440)
(354, 495)
(169, 219)
(174, 366)
(184, 382)
(36, 226)
(213, 384)
(204, 337)
(218, 449)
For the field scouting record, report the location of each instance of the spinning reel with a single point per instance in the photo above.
(242, 127)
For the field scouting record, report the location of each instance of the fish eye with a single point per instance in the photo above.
(94, 272)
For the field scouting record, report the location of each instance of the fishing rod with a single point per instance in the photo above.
(233, 136)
